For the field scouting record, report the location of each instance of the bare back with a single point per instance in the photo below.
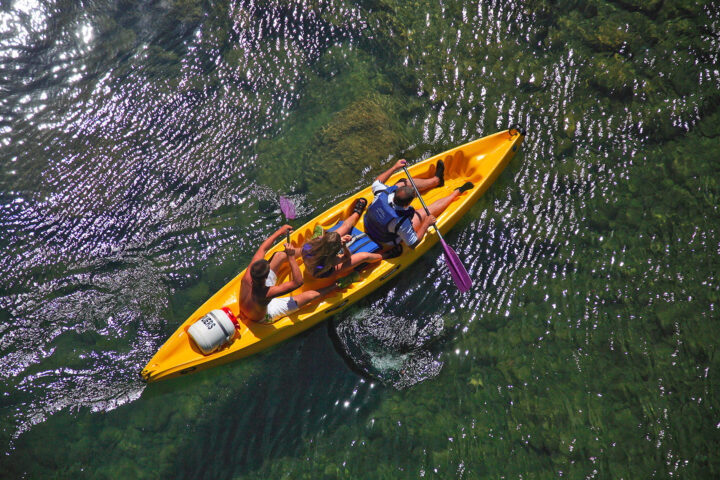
(250, 308)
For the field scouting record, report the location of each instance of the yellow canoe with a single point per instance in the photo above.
(479, 161)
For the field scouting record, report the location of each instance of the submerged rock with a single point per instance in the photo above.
(393, 350)
(359, 137)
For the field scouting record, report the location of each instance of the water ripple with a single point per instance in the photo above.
(127, 157)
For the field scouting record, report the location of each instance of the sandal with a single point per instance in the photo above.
(440, 172)
(394, 252)
(465, 187)
(360, 205)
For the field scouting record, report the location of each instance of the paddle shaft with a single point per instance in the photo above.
(457, 270)
(417, 192)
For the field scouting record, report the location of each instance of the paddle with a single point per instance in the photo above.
(288, 209)
(457, 270)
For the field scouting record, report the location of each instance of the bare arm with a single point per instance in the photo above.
(385, 176)
(346, 259)
(268, 243)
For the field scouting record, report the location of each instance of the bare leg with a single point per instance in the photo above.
(362, 257)
(348, 224)
(308, 296)
(425, 184)
(436, 208)
(422, 184)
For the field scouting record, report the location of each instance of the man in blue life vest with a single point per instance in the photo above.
(391, 221)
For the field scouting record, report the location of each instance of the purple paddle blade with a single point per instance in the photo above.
(287, 207)
(457, 270)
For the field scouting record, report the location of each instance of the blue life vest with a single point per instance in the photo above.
(380, 213)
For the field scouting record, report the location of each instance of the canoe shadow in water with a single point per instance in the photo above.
(294, 395)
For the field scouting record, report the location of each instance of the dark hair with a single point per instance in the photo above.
(403, 196)
(259, 271)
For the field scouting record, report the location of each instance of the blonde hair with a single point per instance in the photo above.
(323, 253)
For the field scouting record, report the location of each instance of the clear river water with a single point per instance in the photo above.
(144, 144)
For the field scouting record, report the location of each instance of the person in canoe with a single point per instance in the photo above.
(327, 254)
(391, 221)
(260, 299)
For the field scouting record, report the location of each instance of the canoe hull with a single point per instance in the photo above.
(480, 161)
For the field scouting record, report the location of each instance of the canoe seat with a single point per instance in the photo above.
(360, 242)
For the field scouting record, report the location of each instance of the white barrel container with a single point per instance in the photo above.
(213, 330)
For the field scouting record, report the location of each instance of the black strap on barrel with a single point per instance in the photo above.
(222, 327)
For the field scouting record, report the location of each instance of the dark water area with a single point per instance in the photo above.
(143, 145)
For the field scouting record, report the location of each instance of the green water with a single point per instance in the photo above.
(144, 145)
